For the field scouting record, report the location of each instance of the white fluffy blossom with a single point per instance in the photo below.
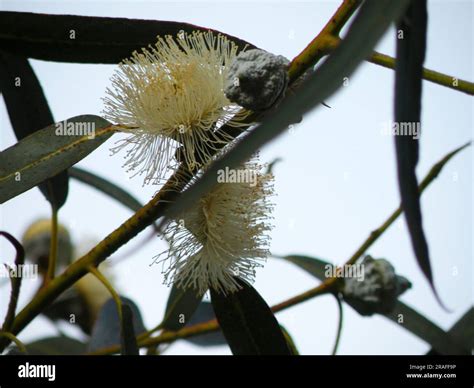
(224, 236)
(171, 95)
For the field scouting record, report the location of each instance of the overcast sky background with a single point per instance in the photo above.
(336, 183)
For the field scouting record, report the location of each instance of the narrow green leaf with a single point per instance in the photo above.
(180, 308)
(47, 152)
(29, 111)
(52, 346)
(289, 341)
(248, 323)
(422, 327)
(312, 265)
(70, 302)
(106, 187)
(411, 48)
(128, 340)
(107, 328)
(85, 39)
(205, 313)
(463, 333)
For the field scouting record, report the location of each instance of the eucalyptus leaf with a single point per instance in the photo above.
(248, 323)
(463, 333)
(312, 265)
(52, 346)
(289, 341)
(411, 320)
(106, 187)
(29, 111)
(181, 305)
(107, 332)
(128, 339)
(47, 152)
(85, 39)
(411, 48)
(204, 313)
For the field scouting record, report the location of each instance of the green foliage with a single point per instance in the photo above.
(248, 323)
(46, 151)
(44, 154)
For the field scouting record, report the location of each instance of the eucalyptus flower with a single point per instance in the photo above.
(224, 236)
(171, 95)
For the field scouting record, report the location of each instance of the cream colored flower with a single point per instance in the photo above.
(171, 94)
(224, 235)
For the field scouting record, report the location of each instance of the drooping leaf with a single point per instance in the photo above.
(105, 186)
(289, 341)
(70, 302)
(85, 39)
(106, 331)
(181, 305)
(248, 324)
(411, 48)
(49, 151)
(29, 111)
(411, 320)
(128, 339)
(52, 346)
(204, 313)
(463, 333)
(312, 265)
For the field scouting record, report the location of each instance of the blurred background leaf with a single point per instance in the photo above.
(106, 187)
(52, 346)
(181, 305)
(128, 333)
(204, 313)
(462, 332)
(248, 323)
(422, 327)
(106, 331)
(84, 39)
(313, 265)
(29, 111)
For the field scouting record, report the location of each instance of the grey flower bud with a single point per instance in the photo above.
(379, 290)
(257, 79)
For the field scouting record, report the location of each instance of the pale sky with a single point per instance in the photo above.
(336, 183)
